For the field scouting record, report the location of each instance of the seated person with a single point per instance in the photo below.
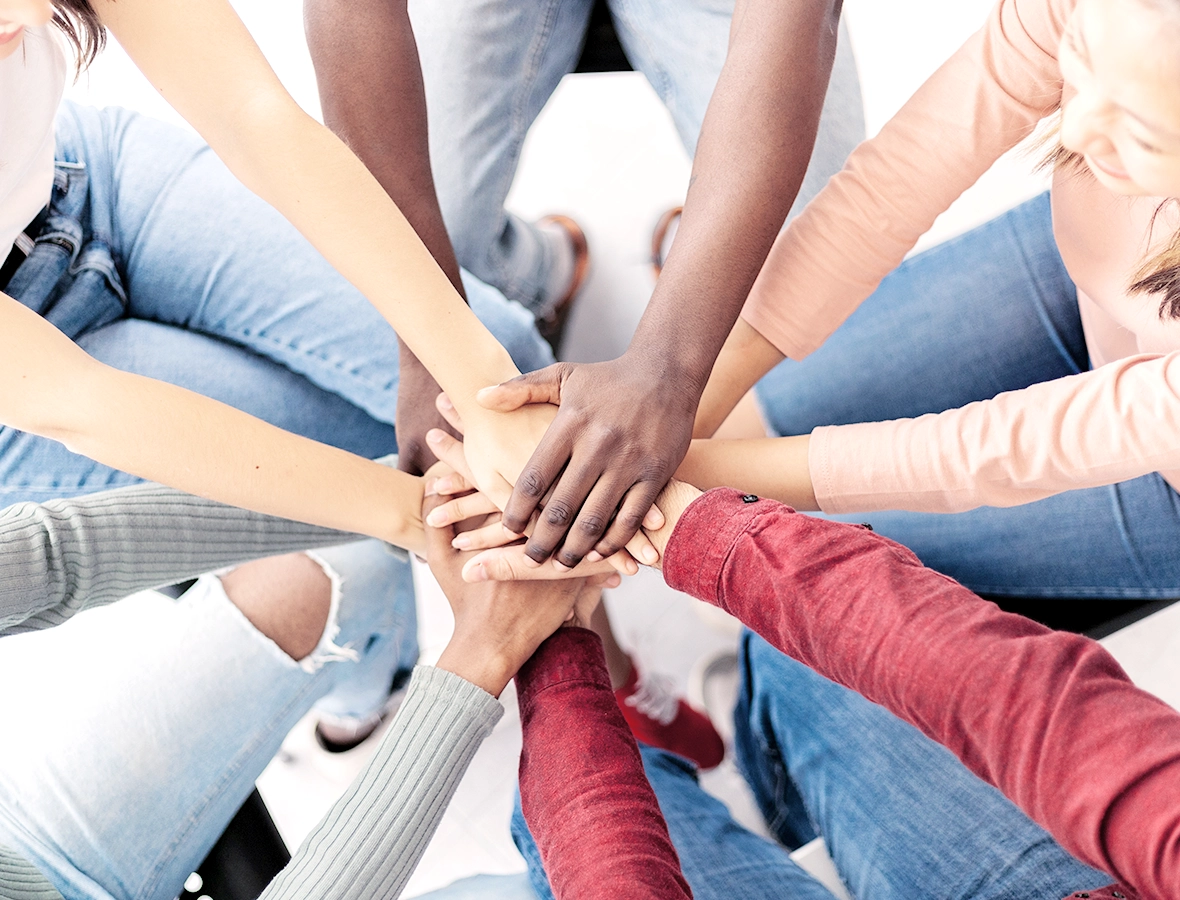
(123, 786)
(1087, 766)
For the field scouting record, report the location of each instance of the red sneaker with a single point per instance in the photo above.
(661, 719)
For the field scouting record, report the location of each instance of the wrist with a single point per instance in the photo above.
(672, 502)
(473, 660)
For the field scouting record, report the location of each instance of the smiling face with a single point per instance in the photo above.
(15, 17)
(1121, 58)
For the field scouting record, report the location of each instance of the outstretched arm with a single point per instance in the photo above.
(200, 56)
(583, 790)
(624, 426)
(173, 436)
(1089, 756)
(370, 81)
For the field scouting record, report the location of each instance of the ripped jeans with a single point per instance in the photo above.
(156, 260)
(119, 772)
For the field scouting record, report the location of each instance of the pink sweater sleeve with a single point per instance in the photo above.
(983, 101)
(1100, 427)
(1047, 717)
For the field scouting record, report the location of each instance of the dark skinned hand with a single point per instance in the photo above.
(618, 437)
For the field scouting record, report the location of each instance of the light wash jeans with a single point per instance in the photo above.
(490, 65)
(156, 260)
(119, 771)
(902, 817)
(993, 310)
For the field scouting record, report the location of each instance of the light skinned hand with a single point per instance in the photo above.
(638, 548)
(498, 625)
(497, 565)
(620, 432)
(493, 534)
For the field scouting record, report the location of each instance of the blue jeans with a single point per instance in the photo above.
(490, 65)
(993, 310)
(119, 772)
(156, 260)
(902, 817)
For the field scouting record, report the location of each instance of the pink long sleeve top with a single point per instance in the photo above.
(1118, 421)
(1047, 717)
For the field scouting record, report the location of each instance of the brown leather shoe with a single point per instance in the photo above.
(552, 325)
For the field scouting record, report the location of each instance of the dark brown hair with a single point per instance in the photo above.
(78, 21)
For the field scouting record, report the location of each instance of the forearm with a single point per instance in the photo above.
(755, 144)
(372, 244)
(369, 843)
(1089, 756)
(583, 791)
(200, 56)
(63, 556)
(776, 468)
(370, 83)
(744, 359)
(207, 448)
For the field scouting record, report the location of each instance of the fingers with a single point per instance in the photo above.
(460, 509)
(447, 410)
(634, 509)
(450, 451)
(492, 535)
(592, 519)
(510, 564)
(576, 512)
(542, 386)
(534, 482)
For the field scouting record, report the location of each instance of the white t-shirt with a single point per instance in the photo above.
(32, 81)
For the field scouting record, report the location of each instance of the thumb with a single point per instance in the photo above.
(542, 386)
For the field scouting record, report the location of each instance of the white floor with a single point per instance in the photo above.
(604, 150)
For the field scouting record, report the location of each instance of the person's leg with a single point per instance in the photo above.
(901, 816)
(488, 67)
(990, 311)
(720, 859)
(1116, 542)
(116, 784)
(33, 468)
(680, 48)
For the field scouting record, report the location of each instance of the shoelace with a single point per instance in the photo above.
(654, 698)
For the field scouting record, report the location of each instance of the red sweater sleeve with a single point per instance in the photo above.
(1047, 717)
(583, 791)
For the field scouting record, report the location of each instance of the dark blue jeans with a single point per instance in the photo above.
(902, 817)
(993, 310)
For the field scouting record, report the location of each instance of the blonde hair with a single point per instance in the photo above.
(1160, 273)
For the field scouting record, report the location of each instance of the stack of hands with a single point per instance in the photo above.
(505, 603)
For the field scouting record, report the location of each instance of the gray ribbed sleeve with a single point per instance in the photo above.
(63, 556)
(19, 880)
(368, 844)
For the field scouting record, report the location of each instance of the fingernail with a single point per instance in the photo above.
(593, 556)
(561, 567)
(514, 534)
(531, 563)
(479, 573)
(445, 402)
(614, 580)
(442, 485)
(430, 489)
(434, 436)
(462, 542)
(650, 556)
(632, 567)
(436, 518)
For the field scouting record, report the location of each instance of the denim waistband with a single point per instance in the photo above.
(69, 277)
